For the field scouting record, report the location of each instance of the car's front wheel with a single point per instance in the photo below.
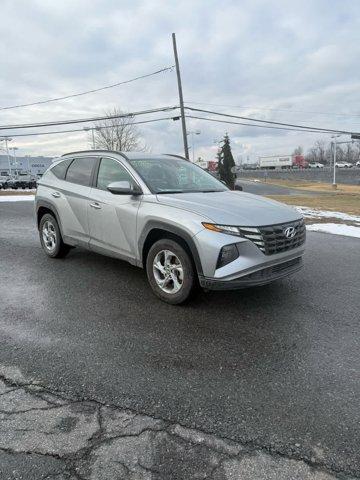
(50, 237)
(170, 272)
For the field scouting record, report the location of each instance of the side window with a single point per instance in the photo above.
(80, 171)
(111, 171)
(60, 169)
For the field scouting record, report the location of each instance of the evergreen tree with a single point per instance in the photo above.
(226, 163)
(220, 167)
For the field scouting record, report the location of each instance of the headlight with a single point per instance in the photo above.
(229, 229)
(251, 233)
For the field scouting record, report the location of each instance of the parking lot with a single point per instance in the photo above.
(274, 368)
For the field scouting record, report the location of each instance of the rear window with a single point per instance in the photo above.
(60, 169)
(80, 171)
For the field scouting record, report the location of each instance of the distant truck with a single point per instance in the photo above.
(281, 162)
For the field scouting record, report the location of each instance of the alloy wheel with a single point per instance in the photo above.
(168, 271)
(49, 236)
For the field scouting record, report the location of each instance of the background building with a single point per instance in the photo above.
(28, 164)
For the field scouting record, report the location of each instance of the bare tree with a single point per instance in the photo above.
(329, 154)
(298, 151)
(312, 155)
(119, 134)
(320, 146)
(357, 151)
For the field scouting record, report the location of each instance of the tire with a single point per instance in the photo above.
(49, 228)
(173, 263)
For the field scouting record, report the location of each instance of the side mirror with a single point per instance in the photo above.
(124, 188)
(238, 187)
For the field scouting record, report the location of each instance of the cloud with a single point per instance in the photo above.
(273, 59)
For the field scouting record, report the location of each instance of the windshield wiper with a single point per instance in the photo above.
(210, 191)
(187, 191)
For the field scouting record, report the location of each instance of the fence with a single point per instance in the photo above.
(349, 176)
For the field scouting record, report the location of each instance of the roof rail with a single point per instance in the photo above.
(90, 151)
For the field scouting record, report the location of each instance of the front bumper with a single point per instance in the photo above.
(252, 267)
(257, 278)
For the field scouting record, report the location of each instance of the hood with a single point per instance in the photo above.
(232, 208)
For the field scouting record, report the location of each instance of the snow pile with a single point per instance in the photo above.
(309, 212)
(17, 198)
(335, 228)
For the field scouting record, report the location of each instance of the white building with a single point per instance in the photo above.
(32, 165)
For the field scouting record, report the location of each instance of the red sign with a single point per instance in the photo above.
(212, 166)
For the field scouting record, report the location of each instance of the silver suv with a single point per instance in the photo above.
(167, 215)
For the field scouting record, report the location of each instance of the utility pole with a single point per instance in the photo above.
(87, 129)
(181, 99)
(28, 164)
(334, 166)
(6, 140)
(15, 161)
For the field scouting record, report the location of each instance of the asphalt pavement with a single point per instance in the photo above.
(274, 368)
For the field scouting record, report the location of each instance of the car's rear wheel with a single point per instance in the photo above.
(50, 237)
(170, 272)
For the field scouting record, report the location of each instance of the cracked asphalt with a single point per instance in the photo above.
(99, 380)
(49, 436)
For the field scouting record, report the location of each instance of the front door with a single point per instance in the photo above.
(112, 218)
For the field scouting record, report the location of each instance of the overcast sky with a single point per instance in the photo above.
(273, 59)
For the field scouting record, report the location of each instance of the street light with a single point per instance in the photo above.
(192, 133)
(6, 140)
(334, 166)
(28, 164)
(87, 129)
(15, 162)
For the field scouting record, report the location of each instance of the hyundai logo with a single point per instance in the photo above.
(289, 232)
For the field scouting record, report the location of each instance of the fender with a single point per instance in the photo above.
(45, 203)
(154, 224)
(50, 206)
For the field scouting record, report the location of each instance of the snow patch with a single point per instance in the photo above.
(17, 198)
(335, 228)
(309, 212)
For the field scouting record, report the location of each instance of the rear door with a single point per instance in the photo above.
(74, 195)
(112, 218)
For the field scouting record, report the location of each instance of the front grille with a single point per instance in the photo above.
(272, 239)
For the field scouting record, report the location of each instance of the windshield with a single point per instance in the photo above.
(173, 175)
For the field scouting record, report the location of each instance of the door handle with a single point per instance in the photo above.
(55, 194)
(95, 205)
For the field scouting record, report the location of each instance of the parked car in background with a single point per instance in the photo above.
(343, 165)
(3, 181)
(21, 181)
(315, 165)
(170, 217)
(357, 164)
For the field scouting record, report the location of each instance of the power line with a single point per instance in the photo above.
(252, 124)
(289, 110)
(56, 99)
(82, 130)
(86, 120)
(304, 127)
